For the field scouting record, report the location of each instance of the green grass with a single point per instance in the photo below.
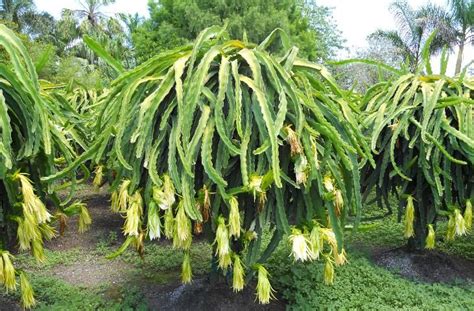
(361, 284)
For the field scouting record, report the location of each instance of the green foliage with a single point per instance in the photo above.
(361, 285)
(211, 121)
(174, 23)
(421, 132)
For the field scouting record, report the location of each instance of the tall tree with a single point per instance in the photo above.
(175, 22)
(462, 16)
(91, 10)
(414, 28)
(14, 10)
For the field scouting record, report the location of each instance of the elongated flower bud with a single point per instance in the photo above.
(84, 218)
(9, 280)
(316, 241)
(460, 224)
(300, 248)
(451, 232)
(154, 222)
(169, 223)
(328, 272)
(238, 275)
(186, 272)
(182, 235)
(27, 293)
(38, 250)
(264, 288)
(114, 202)
(123, 196)
(27, 231)
(409, 217)
(234, 218)
(468, 215)
(134, 214)
(225, 261)
(338, 202)
(99, 173)
(222, 238)
(32, 204)
(430, 238)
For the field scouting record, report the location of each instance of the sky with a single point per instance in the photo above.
(355, 18)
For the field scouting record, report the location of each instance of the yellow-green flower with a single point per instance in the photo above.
(123, 196)
(169, 223)
(154, 222)
(430, 238)
(114, 202)
(164, 196)
(134, 214)
(328, 272)
(328, 183)
(183, 224)
(460, 225)
(316, 241)
(9, 280)
(84, 218)
(300, 248)
(264, 288)
(99, 173)
(468, 215)
(27, 293)
(238, 275)
(255, 184)
(27, 231)
(225, 261)
(314, 148)
(32, 204)
(340, 258)
(222, 238)
(186, 272)
(409, 217)
(301, 168)
(234, 218)
(38, 250)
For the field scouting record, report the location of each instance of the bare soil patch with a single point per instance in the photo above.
(426, 266)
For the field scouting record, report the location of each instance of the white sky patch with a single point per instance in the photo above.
(355, 18)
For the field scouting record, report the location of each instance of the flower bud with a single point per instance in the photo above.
(134, 214)
(27, 293)
(264, 288)
(430, 238)
(328, 183)
(98, 176)
(9, 280)
(460, 225)
(234, 218)
(123, 196)
(409, 217)
(222, 238)
(186, 272)
(154, 222)
(238, 275)
(328, 272)
(169, 223)
(451, 232)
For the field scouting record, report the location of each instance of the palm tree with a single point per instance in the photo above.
(462, 16)
(91, 10)
(14, 10)
(414, 28)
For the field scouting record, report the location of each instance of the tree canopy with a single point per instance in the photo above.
(176, 22)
